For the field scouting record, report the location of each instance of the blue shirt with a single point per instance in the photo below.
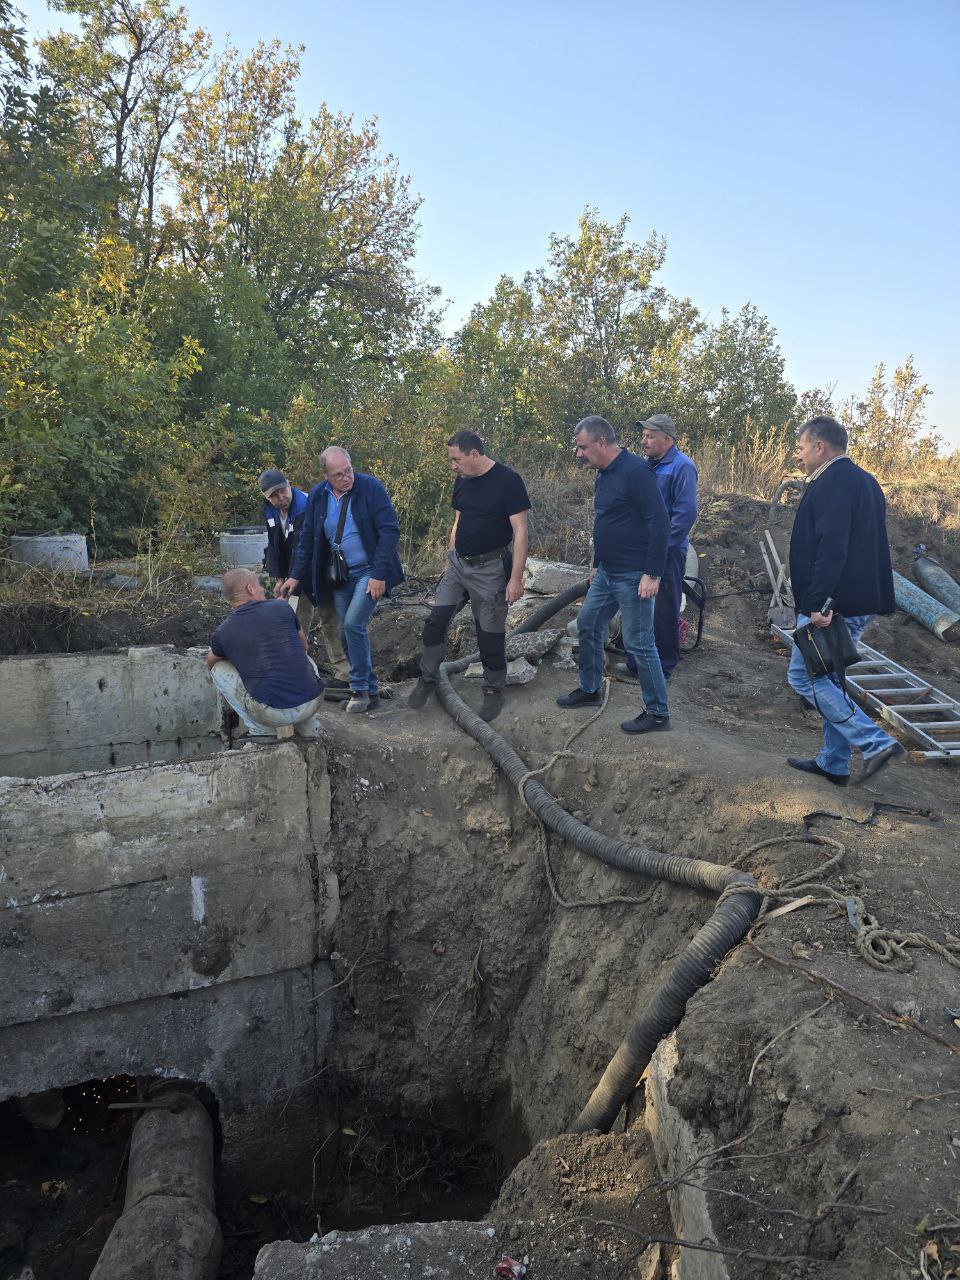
(677, 481)
(351, 544)
(630, 524)
(262, 640)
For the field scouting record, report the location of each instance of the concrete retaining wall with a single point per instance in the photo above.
(90, 711)
(172, 920)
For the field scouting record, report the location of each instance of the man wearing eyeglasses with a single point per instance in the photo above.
(630, 532)
(283, 510)
(349, 517)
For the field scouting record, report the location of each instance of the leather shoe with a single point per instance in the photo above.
(811, 766)
(873, 764)
(580, 698)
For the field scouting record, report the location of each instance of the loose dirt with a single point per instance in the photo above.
(826, 1090)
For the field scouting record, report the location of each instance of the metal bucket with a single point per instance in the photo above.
(64, 551)
(243, 548)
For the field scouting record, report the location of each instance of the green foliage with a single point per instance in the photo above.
(886, 423)
(593, 333)
(195, 284)
(50, 205)
(90, 414)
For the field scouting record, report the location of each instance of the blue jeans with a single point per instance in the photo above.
(355, 608)
(607, 594)
(845, 726)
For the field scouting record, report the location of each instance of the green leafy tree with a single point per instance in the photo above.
(736, 383)
(322, 221)
(128, 74)
(51, 205)
(90, 415)
(886, 423)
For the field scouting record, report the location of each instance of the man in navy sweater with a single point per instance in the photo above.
(283, 510)
(838, 552)
(630, 532)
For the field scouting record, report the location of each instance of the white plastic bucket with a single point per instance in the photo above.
(64, 551)
(243, 548)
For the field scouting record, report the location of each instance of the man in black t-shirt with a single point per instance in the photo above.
(258, 660)
(491, 506)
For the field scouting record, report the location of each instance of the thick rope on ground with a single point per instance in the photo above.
(882, 949)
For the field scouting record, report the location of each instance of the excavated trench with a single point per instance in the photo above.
(350, 947)
(394, 999)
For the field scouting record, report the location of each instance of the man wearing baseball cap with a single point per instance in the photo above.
(283, 510)
(677, 482)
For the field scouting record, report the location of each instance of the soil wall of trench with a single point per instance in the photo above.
(392, 1008)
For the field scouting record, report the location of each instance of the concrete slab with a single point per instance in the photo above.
(70, 711)
(442, 1250)
(159, 880)
(255, 1043)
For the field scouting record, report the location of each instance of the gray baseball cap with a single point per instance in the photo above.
(271, 480)
(660, 422)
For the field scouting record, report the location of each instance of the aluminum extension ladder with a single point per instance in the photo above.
(927, 715)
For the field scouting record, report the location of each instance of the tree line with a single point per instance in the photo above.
(196, 283)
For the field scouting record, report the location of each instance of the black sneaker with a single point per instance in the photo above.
(359, 703)
(420, 694)
(374, 701)
(646, 723)
(492, 705)
(811, 766)
(580, 698)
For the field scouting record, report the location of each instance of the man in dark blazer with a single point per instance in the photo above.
(283, 510)
(353, 511)
(839, 553)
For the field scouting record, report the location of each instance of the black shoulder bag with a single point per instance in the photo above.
(338, 571)
(827, 651)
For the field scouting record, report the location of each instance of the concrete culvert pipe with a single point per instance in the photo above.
(735, 912)
(168, 1229)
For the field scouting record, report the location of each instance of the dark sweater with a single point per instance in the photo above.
(839, 545)
(630, 525)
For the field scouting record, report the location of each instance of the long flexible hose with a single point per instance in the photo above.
(733, 916)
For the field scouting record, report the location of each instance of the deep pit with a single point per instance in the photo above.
(352, 945)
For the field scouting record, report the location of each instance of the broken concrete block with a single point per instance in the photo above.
(565, 660)
(550, 577)
(532, 644)
(519, 671)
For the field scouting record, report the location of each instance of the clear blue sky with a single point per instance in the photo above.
(802, 157)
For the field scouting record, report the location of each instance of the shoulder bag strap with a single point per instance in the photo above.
(342, 519)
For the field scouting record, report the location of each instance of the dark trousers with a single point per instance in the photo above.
(484, 586)
(666, 612)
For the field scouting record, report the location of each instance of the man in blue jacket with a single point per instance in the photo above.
(677, 481)
(630, 531)
(839, 553)
(349, 512)
(283, 510)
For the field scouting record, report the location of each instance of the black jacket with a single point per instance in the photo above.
(839, 544)
(280, 549)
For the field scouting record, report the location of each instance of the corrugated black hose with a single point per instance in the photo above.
(734, 914)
